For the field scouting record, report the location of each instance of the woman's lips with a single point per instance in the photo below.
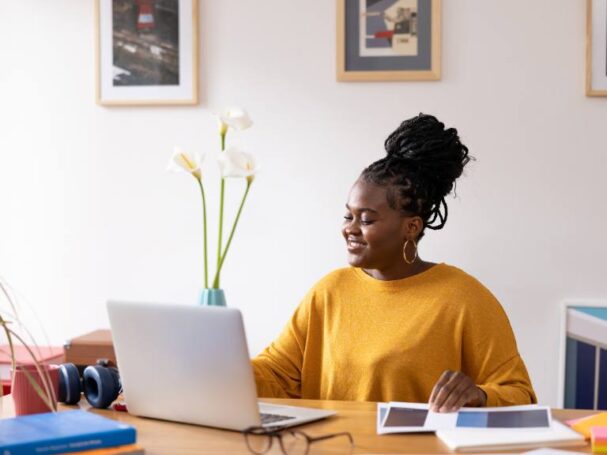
(354, 245)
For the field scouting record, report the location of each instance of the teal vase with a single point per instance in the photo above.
(212, 297)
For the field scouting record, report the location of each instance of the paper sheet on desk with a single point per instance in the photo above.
(547, 451)
(400, 417)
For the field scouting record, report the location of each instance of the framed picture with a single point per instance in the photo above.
(388, 40)
(596, 48)
(583, 362)
(147, 52)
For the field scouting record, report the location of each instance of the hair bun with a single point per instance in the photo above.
(423, 161)
(424, 146)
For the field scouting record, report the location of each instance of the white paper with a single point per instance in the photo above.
(546, 451)
(388, 416)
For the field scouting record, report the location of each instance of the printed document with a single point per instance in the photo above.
(401, 417)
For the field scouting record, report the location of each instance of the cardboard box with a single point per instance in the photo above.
(87, 349)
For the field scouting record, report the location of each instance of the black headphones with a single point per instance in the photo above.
(100, 384)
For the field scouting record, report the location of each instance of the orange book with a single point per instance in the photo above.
(131, 449)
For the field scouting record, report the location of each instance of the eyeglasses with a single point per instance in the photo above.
(259, 441)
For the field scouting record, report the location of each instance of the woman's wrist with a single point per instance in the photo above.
(482, 397)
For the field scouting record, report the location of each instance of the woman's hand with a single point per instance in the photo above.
(453, 390)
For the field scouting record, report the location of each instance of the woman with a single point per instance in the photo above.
(393, 327)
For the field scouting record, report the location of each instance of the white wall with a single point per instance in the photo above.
(89, 213)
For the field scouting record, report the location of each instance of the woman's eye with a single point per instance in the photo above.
(349, 218)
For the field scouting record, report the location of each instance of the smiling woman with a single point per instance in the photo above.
(392, 327)
(372, 230)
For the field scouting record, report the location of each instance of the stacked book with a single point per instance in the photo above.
(67, 432)
(599, 439)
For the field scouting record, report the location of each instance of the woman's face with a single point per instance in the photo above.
(374, 232)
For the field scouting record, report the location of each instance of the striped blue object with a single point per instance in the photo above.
(580, 375)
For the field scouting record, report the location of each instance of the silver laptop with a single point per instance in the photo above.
(191, 364)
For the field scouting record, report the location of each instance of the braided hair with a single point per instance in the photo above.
(422, 163)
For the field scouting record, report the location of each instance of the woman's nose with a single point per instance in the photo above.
(352, 227)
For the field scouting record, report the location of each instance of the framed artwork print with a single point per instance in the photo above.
(147, 52)
(583, 365)
(596, 48)
(388, 40)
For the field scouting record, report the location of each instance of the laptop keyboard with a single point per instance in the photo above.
(273, 418)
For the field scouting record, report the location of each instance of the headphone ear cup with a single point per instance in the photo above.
(70, 386)
(101, 386)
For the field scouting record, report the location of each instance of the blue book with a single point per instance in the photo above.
(62, 432)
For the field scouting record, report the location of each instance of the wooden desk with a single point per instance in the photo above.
(168, 438)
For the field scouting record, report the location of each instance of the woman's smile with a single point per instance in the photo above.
(355, 244)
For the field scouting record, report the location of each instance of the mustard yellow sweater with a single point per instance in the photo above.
(354, 337)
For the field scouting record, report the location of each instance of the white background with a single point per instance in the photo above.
(89, 213)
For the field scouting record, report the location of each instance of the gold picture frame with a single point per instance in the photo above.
(403, 44)
(146, 52)
(596, 47)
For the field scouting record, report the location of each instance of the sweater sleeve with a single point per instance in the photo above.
(509, 384)
(490, 355)
(277, 368)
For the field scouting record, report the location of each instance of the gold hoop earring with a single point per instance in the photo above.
(405, 252)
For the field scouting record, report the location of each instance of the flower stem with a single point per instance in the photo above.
(204, 230)
(223, 256)
(221, 198)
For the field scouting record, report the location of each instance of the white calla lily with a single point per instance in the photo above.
(234, 117)
(182, 161)
(236, 163)
(232, 163)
